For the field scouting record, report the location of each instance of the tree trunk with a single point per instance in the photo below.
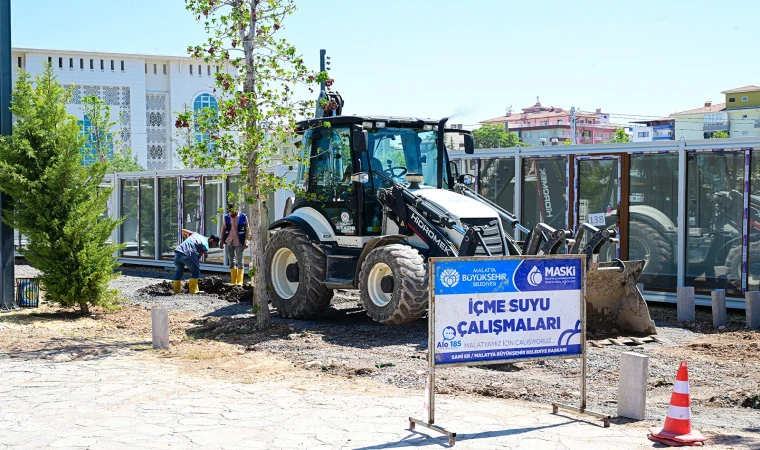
(84, 308)
(260, 296)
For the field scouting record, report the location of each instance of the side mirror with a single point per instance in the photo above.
(359, 138)
(469, 144)
(361, 177)
(466, 179)
(454, 167)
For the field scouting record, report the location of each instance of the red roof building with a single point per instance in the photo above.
(549, 125)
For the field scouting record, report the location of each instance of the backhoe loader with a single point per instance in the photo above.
(382, 199)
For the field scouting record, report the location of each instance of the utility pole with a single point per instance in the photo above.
(7, 252)
(573, 137)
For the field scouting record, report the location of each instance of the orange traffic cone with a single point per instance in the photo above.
(677, 431)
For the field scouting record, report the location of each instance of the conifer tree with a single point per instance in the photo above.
(56, 201)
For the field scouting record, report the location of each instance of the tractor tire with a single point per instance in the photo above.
(295, 272)
(393, 284)
(645, 242)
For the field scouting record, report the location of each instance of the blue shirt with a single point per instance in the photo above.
(192, 247)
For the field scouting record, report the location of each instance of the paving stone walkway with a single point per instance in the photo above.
(120, 402)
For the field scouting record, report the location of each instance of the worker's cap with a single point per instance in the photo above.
(231, 206)
(215, 237)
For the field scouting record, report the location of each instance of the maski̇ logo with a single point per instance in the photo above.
(534, 277)
(450, 277)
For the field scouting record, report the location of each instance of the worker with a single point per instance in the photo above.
(235, 236)
(188, 254)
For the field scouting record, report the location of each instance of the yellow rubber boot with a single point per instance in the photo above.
(241, 274)
(233, 277)
(177, 286)
(193, 285)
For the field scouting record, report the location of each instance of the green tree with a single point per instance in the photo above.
(56, 200)
(100, 141)
(258, 100)
(719, 135)
(620, 136)
(495, 136)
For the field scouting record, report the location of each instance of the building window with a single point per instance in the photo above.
(50, 60)
(81, 63)
(204, 101)
(731, 99)
(191, 69)
(164, 69)
(19, 62)
(60, 63)
(643, 134)
(155, 69)
(716, 118)
(102, 65)
(92, 64)
(112, 65)
(199, 70)
(89, 152)
(745, 133)
(146, 67)
(208, 70)
(744, 116)
(217, 69)
(559, 121)
(71, 63)
(745, 98)
(122, 66)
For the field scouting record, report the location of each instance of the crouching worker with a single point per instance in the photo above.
(235, 234)
(188, 254)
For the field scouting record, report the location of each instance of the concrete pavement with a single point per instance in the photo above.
(122, 402)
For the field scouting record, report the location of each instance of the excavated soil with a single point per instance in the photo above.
(212, 285)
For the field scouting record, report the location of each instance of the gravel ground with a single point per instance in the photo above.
(724, 366)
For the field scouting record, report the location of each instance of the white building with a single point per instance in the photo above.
(144, 92)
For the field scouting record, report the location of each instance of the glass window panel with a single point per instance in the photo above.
(753, 254)
(497, 181)
(543, 191)
(168, 216)
(147, 219)
(212, 203)
(129, 202)
(191, 205)
(598, 197)
(653, 218)
(714, 219)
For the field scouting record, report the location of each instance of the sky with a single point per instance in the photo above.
(470, 60)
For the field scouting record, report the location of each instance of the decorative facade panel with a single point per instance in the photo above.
(156, 135)
(115, 97)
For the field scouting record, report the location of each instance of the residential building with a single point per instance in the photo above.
(549, 125)
(738, 116)
(652, 130)
(144, 93)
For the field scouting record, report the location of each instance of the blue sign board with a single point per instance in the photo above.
(488, 309)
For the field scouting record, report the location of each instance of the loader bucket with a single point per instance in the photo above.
(613, 301)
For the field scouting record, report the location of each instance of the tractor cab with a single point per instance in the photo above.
(388, 149)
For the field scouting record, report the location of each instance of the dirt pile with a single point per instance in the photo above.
(210, 286)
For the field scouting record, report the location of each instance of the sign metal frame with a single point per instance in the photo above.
(431, 372)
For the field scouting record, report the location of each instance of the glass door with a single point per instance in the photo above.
(192, 213)
(598, 197)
